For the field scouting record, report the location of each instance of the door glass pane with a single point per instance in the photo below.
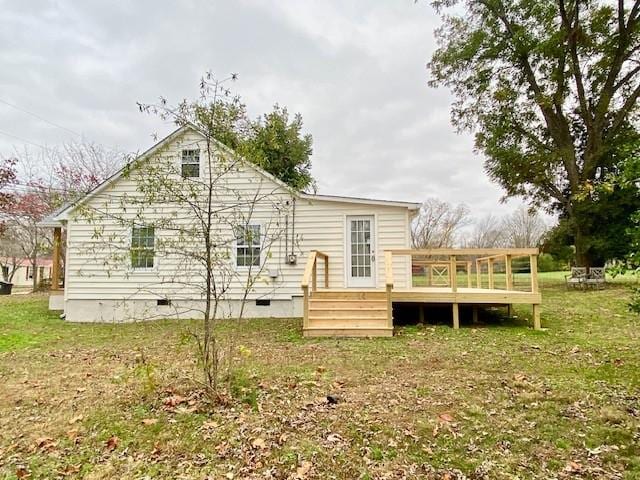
(361, 248)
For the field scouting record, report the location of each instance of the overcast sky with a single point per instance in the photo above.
(355, 70)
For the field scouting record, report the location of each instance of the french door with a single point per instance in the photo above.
(361, 259)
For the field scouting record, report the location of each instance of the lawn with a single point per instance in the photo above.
(496, 400)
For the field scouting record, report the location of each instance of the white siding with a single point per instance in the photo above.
(95, 236)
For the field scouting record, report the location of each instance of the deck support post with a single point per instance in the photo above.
(389, 307)
(475, 314)
(388, 274)
(57, 250)
(509, 309)
(421, 313)
(456, 316)
(536, 316)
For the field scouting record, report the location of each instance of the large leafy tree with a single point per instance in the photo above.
(274, 141)
(550, 88)
(278, 145)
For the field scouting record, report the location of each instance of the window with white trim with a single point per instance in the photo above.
(142, 247)
(190, 163)
(248, 247)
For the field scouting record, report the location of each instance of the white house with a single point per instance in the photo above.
(23, 271)
(352, 232)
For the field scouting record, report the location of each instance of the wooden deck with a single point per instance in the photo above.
(369, 311)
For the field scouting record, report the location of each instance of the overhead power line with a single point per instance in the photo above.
(39, 117)
(27, 141)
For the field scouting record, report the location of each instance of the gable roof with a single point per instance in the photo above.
(58, 216)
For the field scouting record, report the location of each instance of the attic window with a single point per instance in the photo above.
(190, 163)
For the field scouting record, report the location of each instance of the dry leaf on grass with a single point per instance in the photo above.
(149, 421)
(45, 444)
(446, 417)
(303, 469)
(259, 443)
(22, 472)
(112, 443)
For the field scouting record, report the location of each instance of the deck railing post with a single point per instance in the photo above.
(490, 271)
(314, 278)
(388, 274)
(326, 271)
(478, 272)
(468, 274)
(305, 308)
(508, 272)
(453, 274)
(533, 261)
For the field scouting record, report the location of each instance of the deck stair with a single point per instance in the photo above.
(359, 313)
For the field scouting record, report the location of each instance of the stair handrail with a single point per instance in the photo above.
(311, 275)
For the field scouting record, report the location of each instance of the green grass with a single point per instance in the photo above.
(497, 400)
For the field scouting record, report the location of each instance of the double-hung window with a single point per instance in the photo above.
(142, 247)
(190, 163)
(248, 246)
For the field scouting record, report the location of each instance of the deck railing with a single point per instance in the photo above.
(443, 265)
(310, 275)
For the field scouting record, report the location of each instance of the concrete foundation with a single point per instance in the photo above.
(56, 301)
(122, 311)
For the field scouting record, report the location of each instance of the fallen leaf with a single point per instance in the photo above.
(174, 400)
(70, 470)
(45, 443)
(259, 443)
(446, 417)
(149, 421)
(22, 472)
(573, 467)
(303, 469)
(112, 443)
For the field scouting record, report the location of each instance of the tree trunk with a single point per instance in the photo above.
(583, 258)
(34, 259)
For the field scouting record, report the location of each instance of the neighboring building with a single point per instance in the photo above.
(353, 232)
(23, 275)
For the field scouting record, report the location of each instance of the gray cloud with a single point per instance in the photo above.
(355, 70)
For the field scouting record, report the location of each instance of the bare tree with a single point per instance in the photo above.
(45, 179)
(487, 233)
(11, 254)
(194, 214)
(438, 223)
(524, 228)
